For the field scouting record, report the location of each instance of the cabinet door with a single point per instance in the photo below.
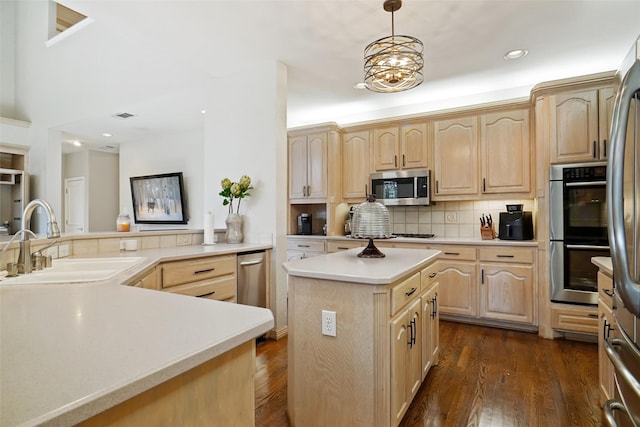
(430, 329)
(399, 362)
(605, 367)
(456, 157)
(574, 126)
(298, 167)
(385, 149)
(458, 284)
(356, 166)
(317, 166)
(606, 97)
(506, 292)
(414, 368)
(414, 146)
(505, 152)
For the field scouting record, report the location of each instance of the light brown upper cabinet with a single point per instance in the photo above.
(356, 165)
(580, 124)
(505, 152)
(308, 168)
(456, 157)
(486, 154)
(402, 147)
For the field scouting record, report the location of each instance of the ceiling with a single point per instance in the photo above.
(321, 42)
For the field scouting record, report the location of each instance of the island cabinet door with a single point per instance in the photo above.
(430, 329)
(406, 359)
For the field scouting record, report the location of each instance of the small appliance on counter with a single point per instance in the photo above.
(304, 223)
(515, 224)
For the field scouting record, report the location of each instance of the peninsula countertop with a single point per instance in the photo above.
(70, 351)
(346, 266)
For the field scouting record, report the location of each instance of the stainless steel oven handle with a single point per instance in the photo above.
(586, 184)
(604, 248)
(618, 363)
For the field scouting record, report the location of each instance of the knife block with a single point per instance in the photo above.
(487, 233)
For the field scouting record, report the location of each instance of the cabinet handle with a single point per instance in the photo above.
(592, 315)
(595, 149)
(395, 161)
(504, 256)
(308, 190)
(482, 276)
(206, 270)
(484, 185)
(403, 161)
(608, 292)
(452, 253)
(303, 246)
(607, 329)
(415, 332)
(436, 186)
(432, 275)
(434, 305)
(342, 247)
(304, 191)
(206, 295)
(366, 190)
(410, 334)
(604, 148)
(411, 292)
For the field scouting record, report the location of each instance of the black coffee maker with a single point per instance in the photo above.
(304, 223)
(515, 224)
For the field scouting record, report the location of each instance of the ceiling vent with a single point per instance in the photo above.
(123, 115)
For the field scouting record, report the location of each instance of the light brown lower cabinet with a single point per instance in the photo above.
(217, 393)
(368, 374)
(605, 330)
(211, 277)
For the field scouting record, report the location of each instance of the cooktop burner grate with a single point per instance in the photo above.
(416, 235)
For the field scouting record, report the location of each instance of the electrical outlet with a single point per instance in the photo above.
(63, 251)
(451, 218)
(329, 324)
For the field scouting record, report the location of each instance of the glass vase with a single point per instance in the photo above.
(234, 228)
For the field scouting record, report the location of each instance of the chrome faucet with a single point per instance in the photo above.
(53, 231)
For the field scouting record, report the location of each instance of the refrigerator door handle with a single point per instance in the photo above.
(626, 287)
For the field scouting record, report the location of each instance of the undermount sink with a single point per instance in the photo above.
(80, 270)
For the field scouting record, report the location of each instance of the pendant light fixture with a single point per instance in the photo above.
(393, 63)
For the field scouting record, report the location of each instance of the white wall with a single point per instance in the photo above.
(180, 152)
(245, 134)
(103, 190)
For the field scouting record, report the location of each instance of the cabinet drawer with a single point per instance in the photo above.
(343, 246)
(605, 288)
(583, 320)
(506, 254)
(404, 292)
(180, 272)
(223, 288)
(429, 276)
(306, 245)
(464, 253)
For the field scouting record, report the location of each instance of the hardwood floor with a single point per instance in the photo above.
(486, 377)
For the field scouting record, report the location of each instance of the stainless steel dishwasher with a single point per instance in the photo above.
(252, 278)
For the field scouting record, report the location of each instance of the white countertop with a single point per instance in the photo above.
(604, 263)
(346, 266)
(431, 240)
(69, 352)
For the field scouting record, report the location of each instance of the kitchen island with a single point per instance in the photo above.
(386, 335)
(105, 354)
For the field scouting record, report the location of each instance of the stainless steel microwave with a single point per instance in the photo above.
(402, 188)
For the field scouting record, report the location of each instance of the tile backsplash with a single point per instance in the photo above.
(451, 219)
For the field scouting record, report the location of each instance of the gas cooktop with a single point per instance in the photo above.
(416, 235)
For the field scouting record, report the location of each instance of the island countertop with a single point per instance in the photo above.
(346, 266)
(71, 351)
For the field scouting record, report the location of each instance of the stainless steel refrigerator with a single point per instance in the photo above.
(623, 204)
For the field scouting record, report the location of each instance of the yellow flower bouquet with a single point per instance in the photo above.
(235, 190)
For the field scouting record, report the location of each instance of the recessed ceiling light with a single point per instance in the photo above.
(360, 85)
(203, 111)
(106, 134)
(516, 53)
(77, 143)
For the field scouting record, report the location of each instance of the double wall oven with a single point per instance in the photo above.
(578, 228)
